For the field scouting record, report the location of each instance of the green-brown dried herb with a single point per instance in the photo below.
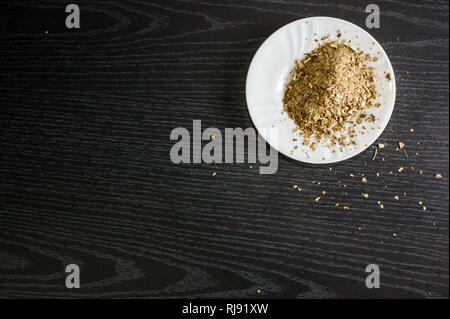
(328, 89)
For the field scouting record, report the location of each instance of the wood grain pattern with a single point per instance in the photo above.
(86, 177)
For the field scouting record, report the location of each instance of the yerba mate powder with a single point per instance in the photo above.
(328, 89)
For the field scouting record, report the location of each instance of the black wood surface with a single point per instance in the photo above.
(86, 178)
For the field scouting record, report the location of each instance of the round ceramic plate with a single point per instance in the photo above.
(268, 75)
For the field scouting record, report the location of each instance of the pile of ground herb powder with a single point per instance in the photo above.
(329, 88)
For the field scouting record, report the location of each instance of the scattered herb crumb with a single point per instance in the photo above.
(374, 154)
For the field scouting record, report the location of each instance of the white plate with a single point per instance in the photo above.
(268, 74)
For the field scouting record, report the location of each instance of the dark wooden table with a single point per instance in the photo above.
(86, 178)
